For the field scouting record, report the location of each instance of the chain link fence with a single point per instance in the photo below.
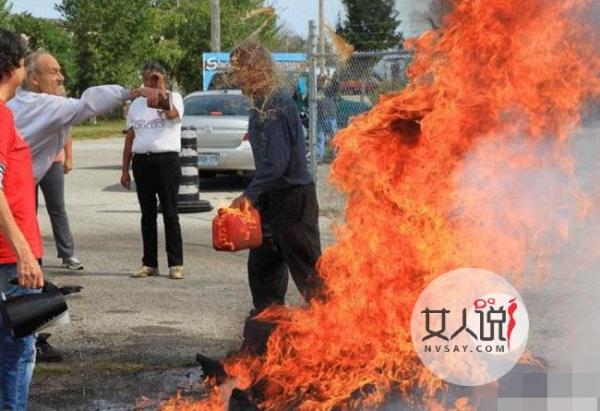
(346, 88)
(341, 87)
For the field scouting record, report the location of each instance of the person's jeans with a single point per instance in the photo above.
(327, 127)
(159, 175)
(53, 188)
(17, 356)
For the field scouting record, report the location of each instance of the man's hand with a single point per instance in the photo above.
(157, 99)
(153, 95)
(29, 272)
(241, 202)
(126, 180)
(68, 165)
(135, 93)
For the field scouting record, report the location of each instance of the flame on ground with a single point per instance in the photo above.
(431, 175)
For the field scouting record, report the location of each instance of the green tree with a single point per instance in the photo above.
(111, 39)
(370, 25)
(5, 20)
(193, 32)
(50, 35)
(288, 41)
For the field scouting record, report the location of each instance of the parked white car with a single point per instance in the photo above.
(221, 121)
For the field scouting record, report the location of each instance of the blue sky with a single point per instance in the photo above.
(294, 13)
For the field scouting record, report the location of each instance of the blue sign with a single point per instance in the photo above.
(213, 63)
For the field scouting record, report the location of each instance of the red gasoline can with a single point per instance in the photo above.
(237, 229)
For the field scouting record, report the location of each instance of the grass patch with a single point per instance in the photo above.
(105, 367)
(53, 370)
(102, 129)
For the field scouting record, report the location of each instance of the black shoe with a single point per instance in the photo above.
(44, 351)
(239, 401)
(212, 369)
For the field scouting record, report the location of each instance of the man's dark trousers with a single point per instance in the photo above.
(291, 240)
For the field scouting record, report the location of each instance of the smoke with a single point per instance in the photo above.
(588, 15)
(569, 329)
(545, 194)
(544, 197)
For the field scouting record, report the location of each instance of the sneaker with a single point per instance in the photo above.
(72, 263)
(176, 272)
(44, 351)
(145, 271)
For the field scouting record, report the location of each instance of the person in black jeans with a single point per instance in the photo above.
(282, 189)
(154, 138)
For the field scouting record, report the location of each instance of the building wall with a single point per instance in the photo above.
(413, 15)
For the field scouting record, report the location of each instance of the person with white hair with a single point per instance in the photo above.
(44, 117)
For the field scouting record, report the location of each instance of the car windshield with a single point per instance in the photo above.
(217, 105)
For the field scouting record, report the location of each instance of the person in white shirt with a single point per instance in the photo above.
(154, 142)
(44, 117)
(44, 75)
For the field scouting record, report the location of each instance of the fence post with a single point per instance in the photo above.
(312, 96)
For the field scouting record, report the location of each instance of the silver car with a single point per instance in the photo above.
(221, 121)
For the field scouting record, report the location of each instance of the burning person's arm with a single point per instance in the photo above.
(277, 139)
(281, 136)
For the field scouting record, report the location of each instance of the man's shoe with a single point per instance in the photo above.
(72, 263)
(44, 351)
(176, 272)
(145, 271)
(212, 368)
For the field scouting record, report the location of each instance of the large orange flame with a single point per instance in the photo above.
(432, 176)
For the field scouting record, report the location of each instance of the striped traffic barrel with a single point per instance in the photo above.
(189, 189)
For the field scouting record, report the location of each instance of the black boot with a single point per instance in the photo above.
(44, 351)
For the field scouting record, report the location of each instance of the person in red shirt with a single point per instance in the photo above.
(20, 239)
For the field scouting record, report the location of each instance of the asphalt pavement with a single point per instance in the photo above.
(134, 338)
(134, 341)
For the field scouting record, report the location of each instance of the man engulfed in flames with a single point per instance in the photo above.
(282, 188)
(499, 81)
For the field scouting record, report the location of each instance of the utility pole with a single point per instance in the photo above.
(322, 35)
(215, 32)
(312, 96)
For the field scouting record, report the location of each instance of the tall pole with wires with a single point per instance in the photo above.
(215, 32)
(321, 51)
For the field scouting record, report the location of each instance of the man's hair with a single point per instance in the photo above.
(31, 64)
(12, 50)
(253, 57)
(253, 53)
(152, 65)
